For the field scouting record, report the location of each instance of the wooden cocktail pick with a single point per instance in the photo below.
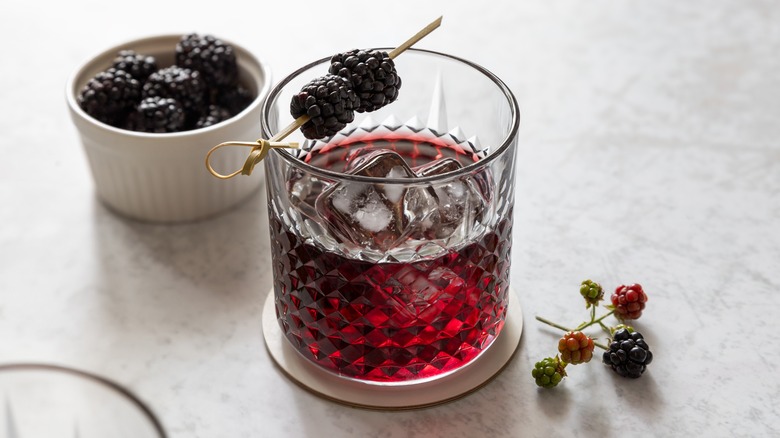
(261, 147)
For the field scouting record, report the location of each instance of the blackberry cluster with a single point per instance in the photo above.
(200, 90)
(330, 103)
(214, 115)
(139, 66)
(235, 99)
(183, 84)
(110, 96)
(372, 74)
(212, 57)
(628, 354)
(358, 80)
(157, 114)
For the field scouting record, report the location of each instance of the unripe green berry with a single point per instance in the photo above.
(549, 372)
(592, 292)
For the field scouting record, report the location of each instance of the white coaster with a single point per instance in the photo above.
(396, 396)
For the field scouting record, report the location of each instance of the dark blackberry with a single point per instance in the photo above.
(184, 85)
(235, 99)
(157, 114)
(628, 354)
(215, 59)
(329, 101)
(110, 96)
(139, 66)
(372, 74)
(214, 115)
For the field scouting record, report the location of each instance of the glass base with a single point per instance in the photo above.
(408, 395)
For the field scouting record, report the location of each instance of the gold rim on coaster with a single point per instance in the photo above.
(261, 147)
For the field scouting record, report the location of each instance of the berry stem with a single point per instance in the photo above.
(560, 327)
(592, 319)
(552, 324)
(595, 321)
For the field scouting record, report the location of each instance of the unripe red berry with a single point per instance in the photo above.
(576, 348)
(629, 301)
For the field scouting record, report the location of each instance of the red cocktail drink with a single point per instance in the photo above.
(391, 240)
(391, 320)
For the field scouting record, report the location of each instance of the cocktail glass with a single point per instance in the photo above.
(393, 271)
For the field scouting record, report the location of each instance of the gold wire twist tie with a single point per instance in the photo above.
(261, 147)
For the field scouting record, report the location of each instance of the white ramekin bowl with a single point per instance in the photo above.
(162, 177)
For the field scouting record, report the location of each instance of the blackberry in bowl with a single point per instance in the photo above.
(146, 163)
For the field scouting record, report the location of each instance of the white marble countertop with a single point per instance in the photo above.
(650, 153)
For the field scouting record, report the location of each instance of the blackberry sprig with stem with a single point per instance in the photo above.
(627, 354)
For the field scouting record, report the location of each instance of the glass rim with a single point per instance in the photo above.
(329, 174)
(115, 388)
